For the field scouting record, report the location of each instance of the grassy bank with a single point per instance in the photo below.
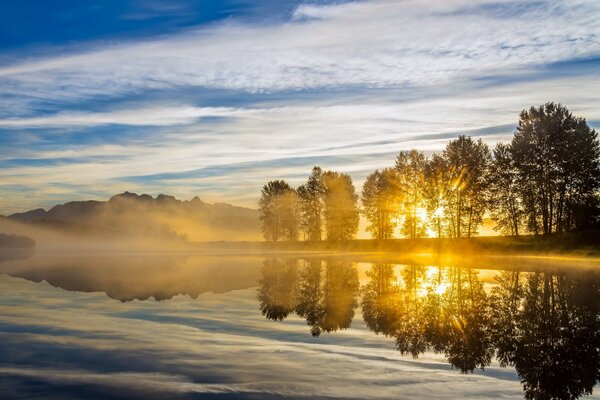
(585, 243)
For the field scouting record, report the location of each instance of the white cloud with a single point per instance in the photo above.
(146, 116)
(421, 52)
(374, 44)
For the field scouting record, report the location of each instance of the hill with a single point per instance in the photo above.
(132, 215)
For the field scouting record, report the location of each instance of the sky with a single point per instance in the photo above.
(213, 98)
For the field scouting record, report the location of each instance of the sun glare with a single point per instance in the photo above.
(435, 281)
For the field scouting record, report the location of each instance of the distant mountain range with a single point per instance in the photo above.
(142, 215)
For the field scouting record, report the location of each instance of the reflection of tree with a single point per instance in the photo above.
(327, 298)
(458, 321)
(381, 307)
(446, 312)
(548, 327)
(545, 325)
(277, 288)
(410, 334)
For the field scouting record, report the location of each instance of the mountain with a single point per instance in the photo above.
(132, 215)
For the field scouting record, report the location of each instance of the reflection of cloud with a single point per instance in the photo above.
(215, 344)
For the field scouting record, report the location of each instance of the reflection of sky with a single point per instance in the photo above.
(218, 344)
(212, 98)
(83, 343)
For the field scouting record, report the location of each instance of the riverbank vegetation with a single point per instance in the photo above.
(545, 181)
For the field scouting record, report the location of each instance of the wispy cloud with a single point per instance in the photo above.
(373, 44)
(356, 80)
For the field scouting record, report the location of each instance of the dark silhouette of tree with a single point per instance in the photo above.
(381, 300)
(556, 156)
(311, 196)
(548, 327)
(279, 211)
(327, 296)
(340, 206)
(505, 204)
(278, 288)
(411, 181)
(467, 161)
(380, 200)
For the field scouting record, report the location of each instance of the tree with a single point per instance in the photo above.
(556, 156)
(380, 200)
(467, 161)
(411, 181)
(311, 204)
(278, 207)
(436, 193)
(340, 206)
(505, 203)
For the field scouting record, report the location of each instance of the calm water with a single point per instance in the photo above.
(222, 326)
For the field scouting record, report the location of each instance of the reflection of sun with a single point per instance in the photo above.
(434, 282)
(421, 213)
(441, 288)
(430, 220)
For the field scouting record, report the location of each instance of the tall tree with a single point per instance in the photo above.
(557, 159)
(311, 204)
(340, 206)
(278, 206)
(436, 191)
(380, 200)
(467, 162)
(410, 166)
(505, 203)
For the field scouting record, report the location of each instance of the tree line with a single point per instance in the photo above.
(546, 180)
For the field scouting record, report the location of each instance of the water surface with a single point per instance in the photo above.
(248, 326)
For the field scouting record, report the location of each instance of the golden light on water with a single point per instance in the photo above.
(434, 281)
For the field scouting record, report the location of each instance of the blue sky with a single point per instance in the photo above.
(213, 98)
